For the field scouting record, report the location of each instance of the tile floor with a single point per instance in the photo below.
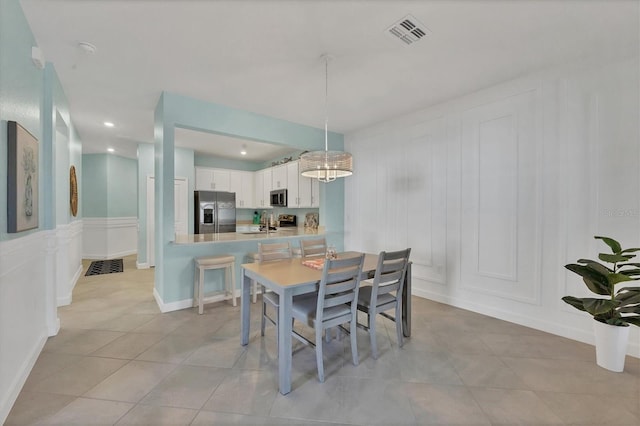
(118, 360)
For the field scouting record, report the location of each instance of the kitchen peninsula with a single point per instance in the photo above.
(185, 248)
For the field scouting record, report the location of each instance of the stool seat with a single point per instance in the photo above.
(215, 260)
(223, 261)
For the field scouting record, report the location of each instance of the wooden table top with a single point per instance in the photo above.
(291, 272)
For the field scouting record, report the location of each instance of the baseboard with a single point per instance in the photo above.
(7, 401)
(188, 303)
(572, 333)
(68, 298)
(115, 255)
(172, 306)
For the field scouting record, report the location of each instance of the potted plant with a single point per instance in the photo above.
(619, 309)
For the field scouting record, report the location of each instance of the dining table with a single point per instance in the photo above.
(289, 278)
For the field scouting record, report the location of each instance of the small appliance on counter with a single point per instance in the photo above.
(287, 220)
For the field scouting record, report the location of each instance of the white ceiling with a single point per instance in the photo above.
(264, 56)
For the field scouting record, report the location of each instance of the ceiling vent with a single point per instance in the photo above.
(408, 30)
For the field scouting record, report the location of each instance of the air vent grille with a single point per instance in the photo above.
(408, 30)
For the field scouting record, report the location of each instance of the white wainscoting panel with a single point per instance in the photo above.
(108, 238)
(68, 260)
(23, 310)
(497, 190)
(499, 244)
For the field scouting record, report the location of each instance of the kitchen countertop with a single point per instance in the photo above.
(249, 236)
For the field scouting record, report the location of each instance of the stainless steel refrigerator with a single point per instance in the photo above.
(215, 212)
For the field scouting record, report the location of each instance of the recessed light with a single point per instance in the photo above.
(244, 150)
(108, 124)
(110, 149)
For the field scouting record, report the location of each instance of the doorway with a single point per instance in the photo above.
(181, 213)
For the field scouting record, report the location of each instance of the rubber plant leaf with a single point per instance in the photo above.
(615, 246)
(614, 258)
(596, 281)
(635, 320)
(575, 302)
(598, 306)
(630, 250)
(603, 269)
(618, 278)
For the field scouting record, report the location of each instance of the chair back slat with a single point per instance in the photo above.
(274, 251)
(315, 247)
(390, 273)
(339, 284)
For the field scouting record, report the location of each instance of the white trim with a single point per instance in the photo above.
(172, 306)
(114, 255)
(188, 303)
(67, 299)
(20, 379)
(143, 265)
(110, 222)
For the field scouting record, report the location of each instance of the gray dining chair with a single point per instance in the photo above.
(268, 252)
(314, 247)
(385, 293)
(333, 305)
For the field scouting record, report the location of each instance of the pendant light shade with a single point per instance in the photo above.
(326, 166)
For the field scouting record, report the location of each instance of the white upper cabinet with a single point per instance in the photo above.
(262, 188)
(279, 177)
(208, 179)
(293, 197)
(302, 191)
(242, 183)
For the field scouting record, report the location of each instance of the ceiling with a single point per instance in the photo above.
(263, 56)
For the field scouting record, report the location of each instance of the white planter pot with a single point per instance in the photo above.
(611, 345)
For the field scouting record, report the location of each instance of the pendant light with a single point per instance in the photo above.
(326, 166)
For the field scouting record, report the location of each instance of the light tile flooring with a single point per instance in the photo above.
(118, 360)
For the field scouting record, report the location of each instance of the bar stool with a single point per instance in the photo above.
(223, 261)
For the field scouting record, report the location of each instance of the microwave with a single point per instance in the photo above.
(278, 198)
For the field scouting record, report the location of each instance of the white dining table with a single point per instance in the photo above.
(289, 278)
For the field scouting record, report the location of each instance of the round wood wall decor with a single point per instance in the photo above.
(73, 191)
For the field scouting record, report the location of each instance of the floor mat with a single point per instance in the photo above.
(99, 267)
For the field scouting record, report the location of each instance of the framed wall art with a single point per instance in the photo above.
(22, 179)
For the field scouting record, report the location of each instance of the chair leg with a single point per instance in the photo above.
(264, 312)
(399, 324)
(233, 283)
(255, 291)
(196, 288)
(319, 353)
(372, 335)
(353, 326)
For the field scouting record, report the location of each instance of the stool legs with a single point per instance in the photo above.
(231, 284)
(201, 291)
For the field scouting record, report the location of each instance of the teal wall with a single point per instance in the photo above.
(109, 188)
(122, 173)
(94, 191)
(174, 263)
(21, 97)
(225, 163)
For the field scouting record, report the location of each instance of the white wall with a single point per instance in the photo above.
(109, 237)
(27, 308)
(496, 191)
(68, 260)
